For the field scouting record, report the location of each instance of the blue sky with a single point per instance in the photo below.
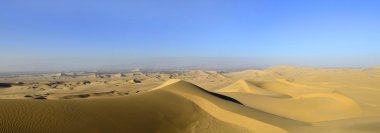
(90, 34)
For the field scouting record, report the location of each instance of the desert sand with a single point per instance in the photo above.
(274, 100)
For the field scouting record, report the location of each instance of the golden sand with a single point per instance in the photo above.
(279, 99)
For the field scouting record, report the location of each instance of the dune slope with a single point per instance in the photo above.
(210, 104)
(177, 106)
(303, 106)
(244, 86)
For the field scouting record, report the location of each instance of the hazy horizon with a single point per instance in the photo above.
(68, 35)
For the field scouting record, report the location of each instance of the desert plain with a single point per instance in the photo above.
(273, 100)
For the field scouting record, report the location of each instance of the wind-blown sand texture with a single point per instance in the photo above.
(279, 99)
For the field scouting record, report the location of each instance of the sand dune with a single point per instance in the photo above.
(211, 104)
(177, 106)
(280, 99)
(292, 89)
(249, 74)
(307, 108)
(243, 86)
(307, 103)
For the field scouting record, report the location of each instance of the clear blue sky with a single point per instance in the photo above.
(81, 34)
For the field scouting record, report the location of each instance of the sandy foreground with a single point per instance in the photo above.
(274, 100)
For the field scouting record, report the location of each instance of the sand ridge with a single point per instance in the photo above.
(243, 86)
(196, 94)
(112, 114)
(306, 103)
(279, 99)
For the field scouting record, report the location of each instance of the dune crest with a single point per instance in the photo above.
(274, 100)
(176, 106)
(167, 83)
(243, 86)
(292, 89)
(310, 108)
(210, 103)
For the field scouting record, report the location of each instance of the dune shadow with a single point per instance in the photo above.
(227, 98)
(224, 97)
(76, 96)
(5, 85)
